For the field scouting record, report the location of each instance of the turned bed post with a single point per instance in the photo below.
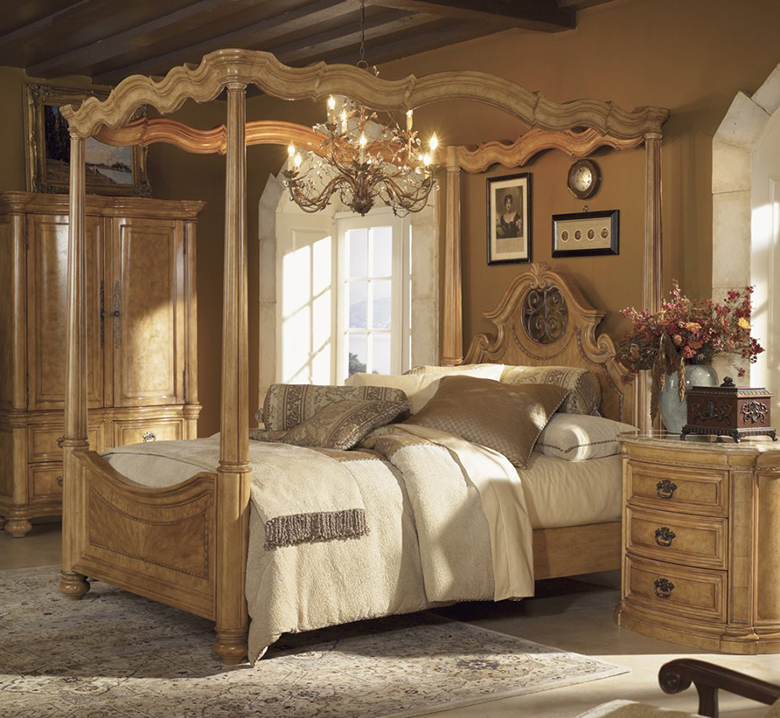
(233, 474)
(72, 584)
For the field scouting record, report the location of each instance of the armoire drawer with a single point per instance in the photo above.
(699, 594)
(695, 491)
(666, 536)
(45, 482)
(136, 431)
(43, 441)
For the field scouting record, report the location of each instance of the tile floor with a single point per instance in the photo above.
(571, 614)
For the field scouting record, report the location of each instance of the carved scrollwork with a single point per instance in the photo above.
(711, 411)
(755, 412)
(545, 315)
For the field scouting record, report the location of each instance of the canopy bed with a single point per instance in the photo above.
(187, 544)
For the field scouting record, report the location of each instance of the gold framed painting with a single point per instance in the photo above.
(110, 170)
(509, 218)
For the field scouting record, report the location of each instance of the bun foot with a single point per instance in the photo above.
(18, 527)
(73, 586)
(231, 647)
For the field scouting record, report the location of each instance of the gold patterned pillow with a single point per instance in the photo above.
(503, 417)
(345, 423)
(583, 385)
(287, 405)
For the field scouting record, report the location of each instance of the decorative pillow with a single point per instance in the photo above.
(266, 435)
(420, 388)
(503, 417)
(486, 371)
(287, 405)
(575, 437)
(583, 385)
(345, 423)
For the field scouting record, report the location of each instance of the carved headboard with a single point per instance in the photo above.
(543, 319)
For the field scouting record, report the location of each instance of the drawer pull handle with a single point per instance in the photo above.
(149, 436)
(663, 587)
(59, 480)
(664, 536)
(665, 489)
(60, 440)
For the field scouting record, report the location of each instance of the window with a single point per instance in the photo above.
(374, 290)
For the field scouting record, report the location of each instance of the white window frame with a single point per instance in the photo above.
(400, 330)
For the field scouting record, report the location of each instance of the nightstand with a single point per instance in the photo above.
(701, 541)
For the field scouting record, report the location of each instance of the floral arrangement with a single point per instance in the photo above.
(687, 331)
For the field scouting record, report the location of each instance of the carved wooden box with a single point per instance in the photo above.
(728, 410)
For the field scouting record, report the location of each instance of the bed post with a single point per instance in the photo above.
(452, 328)
(233, 474)
(74, 585)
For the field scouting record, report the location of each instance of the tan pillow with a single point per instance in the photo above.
(503, 417)
(345, 423)
(287, 405)
(420, 388)
(583, 385)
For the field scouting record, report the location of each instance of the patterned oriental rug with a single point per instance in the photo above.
(115, 654)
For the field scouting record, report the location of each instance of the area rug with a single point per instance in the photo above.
(115, 654)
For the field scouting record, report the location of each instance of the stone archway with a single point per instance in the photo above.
(740, 255)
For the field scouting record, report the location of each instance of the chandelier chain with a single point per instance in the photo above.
(362, 61)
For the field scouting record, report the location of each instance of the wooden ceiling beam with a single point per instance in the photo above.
(343, 37)
(437, 34)
(78, 60)
(31, 28)
(256, 34)
(540, 15)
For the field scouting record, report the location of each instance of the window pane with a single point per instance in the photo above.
(357, 251)
(382, 251)
(381, 356)
(357, 352)
(381, 304)
(357, 295)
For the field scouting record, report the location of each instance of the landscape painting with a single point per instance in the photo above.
(109, 170)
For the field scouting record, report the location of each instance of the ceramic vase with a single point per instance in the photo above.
(674, 413)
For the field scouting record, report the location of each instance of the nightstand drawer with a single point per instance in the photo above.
(676, 591)
(665, 536)
(671, 489)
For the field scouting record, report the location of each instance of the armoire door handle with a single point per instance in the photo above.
(117, 315)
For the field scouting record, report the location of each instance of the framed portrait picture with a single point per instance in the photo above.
(509, 218)
(110, 170)
(586, 233)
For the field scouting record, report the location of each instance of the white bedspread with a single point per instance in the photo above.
(447, 522)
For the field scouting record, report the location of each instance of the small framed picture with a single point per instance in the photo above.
(110, 170)
(586, 233)
(509, 218)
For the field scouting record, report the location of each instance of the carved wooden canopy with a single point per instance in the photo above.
(219, 69)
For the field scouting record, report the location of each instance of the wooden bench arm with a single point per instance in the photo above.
(678, 675)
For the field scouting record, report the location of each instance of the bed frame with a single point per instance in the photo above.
(186, 545)
(544, 320)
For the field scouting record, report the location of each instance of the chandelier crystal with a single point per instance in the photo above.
(362, 159)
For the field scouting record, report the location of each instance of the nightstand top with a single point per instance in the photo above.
(662, 440)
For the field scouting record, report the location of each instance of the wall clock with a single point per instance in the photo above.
(584, 179)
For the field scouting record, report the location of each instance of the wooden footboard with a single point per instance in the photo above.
(156, 542)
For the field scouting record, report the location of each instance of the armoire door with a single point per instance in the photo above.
(47, 279)
(147, 311)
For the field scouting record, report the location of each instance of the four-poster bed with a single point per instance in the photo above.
(186, 544)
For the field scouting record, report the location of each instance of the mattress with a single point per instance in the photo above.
(572, 493)
(557, 492)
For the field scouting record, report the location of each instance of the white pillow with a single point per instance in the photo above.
(576, 437)
(420, 388)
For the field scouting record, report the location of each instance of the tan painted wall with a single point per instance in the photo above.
(690, 56)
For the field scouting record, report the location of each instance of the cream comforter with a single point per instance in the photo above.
(446, 520)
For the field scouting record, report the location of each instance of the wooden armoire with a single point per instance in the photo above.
(142, 336)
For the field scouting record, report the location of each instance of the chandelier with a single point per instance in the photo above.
(362, 159)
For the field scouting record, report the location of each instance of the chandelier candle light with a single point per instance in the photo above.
(392, 168)
(363, 160)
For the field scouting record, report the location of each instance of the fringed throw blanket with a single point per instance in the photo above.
(396, 526)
